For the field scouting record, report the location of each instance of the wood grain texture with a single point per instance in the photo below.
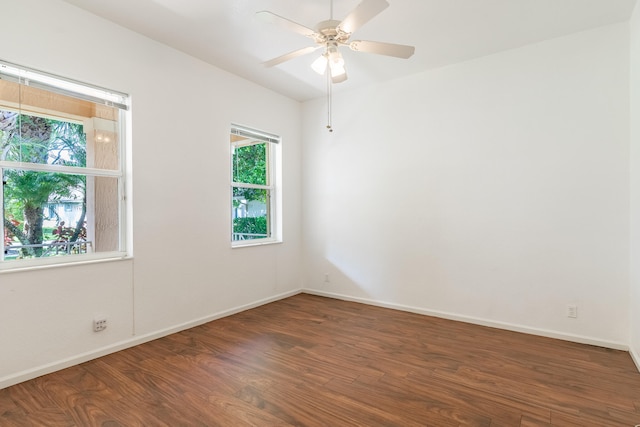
(314, 361)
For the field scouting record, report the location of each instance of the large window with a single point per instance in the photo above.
(253, 186)
(62, 167)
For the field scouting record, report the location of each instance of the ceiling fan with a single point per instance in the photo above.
(329, 35)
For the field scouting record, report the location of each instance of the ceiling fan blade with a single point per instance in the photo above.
(285, 23)
(362, 14)
(287, 56)
(389, 49)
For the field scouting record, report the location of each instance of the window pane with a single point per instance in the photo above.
(250, 213)
(34, 139)
(250, 164)
(53, 214)
(91, 141)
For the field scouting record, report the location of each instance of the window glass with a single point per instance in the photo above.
(250, 163)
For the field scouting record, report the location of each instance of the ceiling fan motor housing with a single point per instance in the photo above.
(328, 31)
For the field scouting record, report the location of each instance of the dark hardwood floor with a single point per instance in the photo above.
(313, 361)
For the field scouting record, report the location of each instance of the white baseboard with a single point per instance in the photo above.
(636, 358)
(478, 321)
(29, 374)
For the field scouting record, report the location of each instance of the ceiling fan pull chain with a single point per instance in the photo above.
(329, 101)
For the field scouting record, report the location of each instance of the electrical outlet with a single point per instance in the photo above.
(99, 324)
(326, 278)
(572, 311)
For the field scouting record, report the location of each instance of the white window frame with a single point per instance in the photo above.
(33, 78)
(272, 187)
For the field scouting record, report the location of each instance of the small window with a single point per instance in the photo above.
(62, 167)
(253, 186)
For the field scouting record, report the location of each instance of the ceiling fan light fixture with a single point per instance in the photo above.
(339, 78)
(320, 64)
(337, 69)
(336, 63)
(335, 57)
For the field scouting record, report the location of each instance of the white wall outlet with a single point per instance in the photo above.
(326, 278)
(572, 311)
(99, 324)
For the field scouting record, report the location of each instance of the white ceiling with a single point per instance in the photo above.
(227, 34)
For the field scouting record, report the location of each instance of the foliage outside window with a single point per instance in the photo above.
(62, 173)
(252, 186)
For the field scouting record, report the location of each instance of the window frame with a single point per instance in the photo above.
(86, 92)
(272, 187)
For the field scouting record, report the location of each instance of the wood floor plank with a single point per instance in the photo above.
(503, 410)
(9, 408)
(49, 417)
(314, 361)
(527, 421)
(417, 407)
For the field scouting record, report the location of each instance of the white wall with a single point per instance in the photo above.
(184, 270)
(494, 190)
(635, 186)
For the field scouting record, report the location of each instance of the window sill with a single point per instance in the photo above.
(30, 265)
(252, 243)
